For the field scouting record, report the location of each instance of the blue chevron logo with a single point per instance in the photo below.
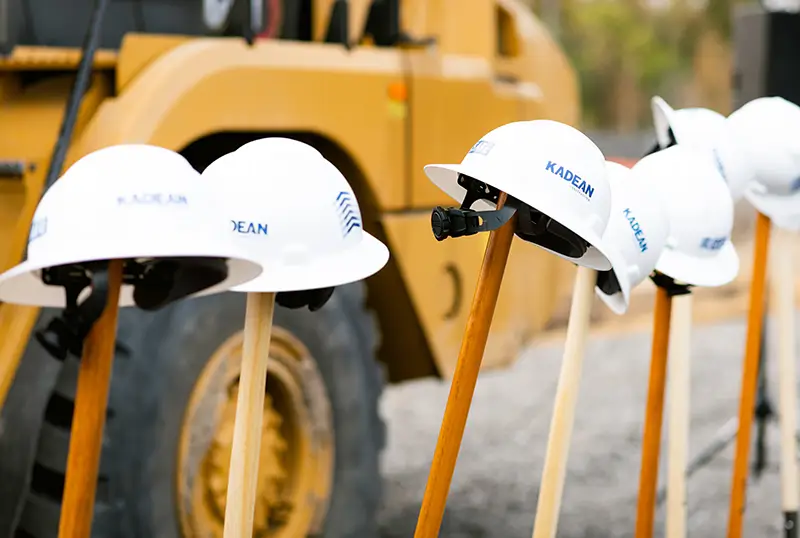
(349, 216)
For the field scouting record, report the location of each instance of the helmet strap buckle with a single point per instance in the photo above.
(463, 221)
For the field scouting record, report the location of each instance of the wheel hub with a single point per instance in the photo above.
(270, 507)
(295, 471)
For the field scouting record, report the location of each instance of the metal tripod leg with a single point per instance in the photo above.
(764, 409)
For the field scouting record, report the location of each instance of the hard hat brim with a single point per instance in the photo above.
(351, 265)
(784, 211)
(706, 272)
(22, 284)
(445, 176)
(663, 121)
(617, 302)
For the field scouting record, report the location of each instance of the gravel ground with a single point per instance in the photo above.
(495, 485)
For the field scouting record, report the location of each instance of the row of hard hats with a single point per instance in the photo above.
(757, 149)
(672, 212)
(276, 216)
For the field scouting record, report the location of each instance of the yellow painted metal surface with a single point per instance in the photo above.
(50, 58)
(31, 120)
(271, 86)
(454, 101)
(357, 18)
(441, 278)
(390, 110)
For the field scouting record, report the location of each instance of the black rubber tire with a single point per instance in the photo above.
(150, 390)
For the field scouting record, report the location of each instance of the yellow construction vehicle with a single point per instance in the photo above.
(381, 88)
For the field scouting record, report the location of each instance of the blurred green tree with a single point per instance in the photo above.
(628, 50)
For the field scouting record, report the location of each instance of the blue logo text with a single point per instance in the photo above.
(567, 175)
(713, 243)
(38, 229)
(153, 198)
(720, 167)
(481, 147)
(637, 230)
(245, 227)
(349, 216)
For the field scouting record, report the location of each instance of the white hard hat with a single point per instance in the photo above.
(695, 125)
(699, 206)
(635, 236)
(769, 128)
(550, 167)
(296, 212)
(707, 130)
(134, 202)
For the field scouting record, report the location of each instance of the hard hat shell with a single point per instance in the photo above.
(708, 130)
(129, 201)
(294, 210)
(769, 128)
(695, 125)
(547, 165)
(636, 234)
(698, 250)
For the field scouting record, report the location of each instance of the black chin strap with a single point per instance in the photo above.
(668, 283)
(65, 333)
(608, 282)
(313, 299)
(532, 225)
(156, 283)
(537, 228)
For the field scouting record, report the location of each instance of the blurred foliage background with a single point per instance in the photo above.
(625, 51)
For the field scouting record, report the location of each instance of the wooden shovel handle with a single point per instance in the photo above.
(554, 474)
(654, 415)
(741, 466)
(89, 416)
(464, 378)
(240, 502)
(782, 299)
(679, 372)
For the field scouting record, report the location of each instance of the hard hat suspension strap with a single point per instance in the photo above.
(462, 221)
(668, 283)
(537, 228)
(313, 299)
(159, 282)
(607, 282)
(66, 332)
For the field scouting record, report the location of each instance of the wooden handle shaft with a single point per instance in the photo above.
(741, 465)
(566, 401)
(240, 502)
(464, 379)
(654, 414)
(89, 416)
(679, 415)
(782, 295)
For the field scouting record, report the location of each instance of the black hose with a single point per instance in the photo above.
(81, 84)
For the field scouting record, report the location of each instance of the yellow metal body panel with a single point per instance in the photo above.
(531, 287)
(389, 110)
(32, 119)
(454, 101)
(206, 86)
